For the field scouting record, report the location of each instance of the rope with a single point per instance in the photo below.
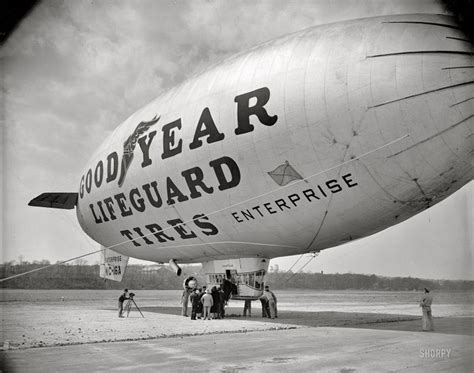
(50, 265)
(295, 263)
(294, 274)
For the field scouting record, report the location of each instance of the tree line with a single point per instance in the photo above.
(82, 276)
(351, 281)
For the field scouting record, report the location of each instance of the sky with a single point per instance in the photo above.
(73, 70)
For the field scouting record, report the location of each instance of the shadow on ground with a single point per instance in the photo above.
(444, 325)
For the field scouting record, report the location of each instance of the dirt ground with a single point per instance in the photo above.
(27, 325)
(30, 325)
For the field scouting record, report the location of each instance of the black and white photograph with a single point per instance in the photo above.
(237, 186)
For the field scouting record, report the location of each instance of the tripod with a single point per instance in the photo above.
(128, 307)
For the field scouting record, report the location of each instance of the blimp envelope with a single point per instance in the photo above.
(317, 138)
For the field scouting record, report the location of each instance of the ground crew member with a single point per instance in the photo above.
(122, 299)
(425, 304)
(275, 298)
(215, 303)
(207, 303)
(184, 301)
(271, 302)
(265, 310)
(222, 302)
(195, 301)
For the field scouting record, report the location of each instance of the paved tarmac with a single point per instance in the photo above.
(303, 349)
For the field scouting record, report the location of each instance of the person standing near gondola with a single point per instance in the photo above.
(215, 303)
(195, 299)
(267, 288)
(222, 302)
(207, 302)
(268, 297)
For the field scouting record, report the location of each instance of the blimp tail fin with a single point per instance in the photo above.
(55, 200)
(112, 265)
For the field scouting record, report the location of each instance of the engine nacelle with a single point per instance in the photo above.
(190, 283)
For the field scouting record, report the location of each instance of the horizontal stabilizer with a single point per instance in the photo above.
(55, 200)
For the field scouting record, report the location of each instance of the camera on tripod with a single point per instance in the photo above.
(130, 303)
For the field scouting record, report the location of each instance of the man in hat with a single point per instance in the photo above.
(425, 304)
(271, 302)
(274, 298)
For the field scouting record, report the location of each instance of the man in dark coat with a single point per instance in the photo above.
(215, 303)
(267, 288)
(195, 302)
(122, 299)
(265, 309)
(222, 301)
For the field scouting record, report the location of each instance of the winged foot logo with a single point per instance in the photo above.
(129, 146)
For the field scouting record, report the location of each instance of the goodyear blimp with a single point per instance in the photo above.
(305, 142)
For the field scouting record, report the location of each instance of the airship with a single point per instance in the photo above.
(306, 142)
